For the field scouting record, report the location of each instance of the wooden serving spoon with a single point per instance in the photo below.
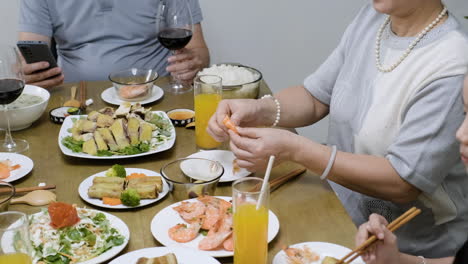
(36, 198)
(73, 102)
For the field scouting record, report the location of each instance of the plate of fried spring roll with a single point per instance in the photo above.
(97, 187)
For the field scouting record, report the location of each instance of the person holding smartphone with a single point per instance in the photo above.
(94, 38)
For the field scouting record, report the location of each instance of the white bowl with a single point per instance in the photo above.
(22, 118)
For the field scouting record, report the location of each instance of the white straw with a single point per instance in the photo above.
(266, 179)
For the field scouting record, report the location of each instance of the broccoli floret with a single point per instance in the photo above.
(130, 197)
(116, 171)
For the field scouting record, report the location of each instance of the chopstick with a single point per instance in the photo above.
(28, 189)
(393, 226)
(275, 183)
(83, 95)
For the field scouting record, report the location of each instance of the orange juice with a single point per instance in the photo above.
(250, 234)
(205, 107)
(15, 258)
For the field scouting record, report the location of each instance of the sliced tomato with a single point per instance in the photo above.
(62, 215)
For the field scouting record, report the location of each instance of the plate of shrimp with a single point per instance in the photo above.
(14, 166)
(110, 96)
(203, 223)
(312, 253)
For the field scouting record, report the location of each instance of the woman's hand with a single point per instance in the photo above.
(242, 112)
(383, 251)
(36, 74)
(253, 146)
(185, 64)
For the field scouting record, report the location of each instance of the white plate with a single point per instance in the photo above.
(68, 124)
(26, 165)
(167, 218)
(226, 159)
(88, 182)
(110, 96)
(183, 255)
(322, 248)
(118, 224)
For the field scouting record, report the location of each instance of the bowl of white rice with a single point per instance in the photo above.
(239, 81)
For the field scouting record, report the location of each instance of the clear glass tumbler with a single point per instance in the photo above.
(15, 246)
(207, 93)
(250, 221)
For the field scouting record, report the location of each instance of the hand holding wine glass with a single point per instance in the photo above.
(11, 87)
(175, 32)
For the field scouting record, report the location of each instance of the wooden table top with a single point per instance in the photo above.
(307, 208)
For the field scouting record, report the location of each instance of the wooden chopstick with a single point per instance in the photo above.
(275, 183)
(28, 189)
(83, 95)
(393, 226)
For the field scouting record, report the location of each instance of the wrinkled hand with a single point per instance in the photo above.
(383, 251)
(253, 146)
(41, 78)
(242, 112)
(184, 65)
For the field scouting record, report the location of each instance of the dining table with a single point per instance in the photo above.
(307, 208)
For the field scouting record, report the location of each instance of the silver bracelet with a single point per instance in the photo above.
(330, 163)
(423, 260)
(278, 108)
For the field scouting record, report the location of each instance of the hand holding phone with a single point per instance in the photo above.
(41, 67)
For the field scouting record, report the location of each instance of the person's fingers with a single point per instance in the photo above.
(49, 83)
(182, 66)
(362, 234)
(214, 129)
(42, 76)
(240, 153)
(223, 111)
(375, 226)
(188, 76)
(246, 165)
(37, 66)
(243, 143)
(390, 238)
(249, 132)
(180, 57)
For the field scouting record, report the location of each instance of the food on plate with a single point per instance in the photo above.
(228, 123)
(129, 130)
(116, 170)
(235, 167)
(207, 215)
(89, 237)
(6, 167)
(130, 197)
(166, 259)
(302, 255)
(62, 215)
(117, 188)
(133, 91)
(181, 115)
(330, 260)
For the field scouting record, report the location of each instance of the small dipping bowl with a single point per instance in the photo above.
(192, 177)
(181, 117)
(133, 84)
(7, 191)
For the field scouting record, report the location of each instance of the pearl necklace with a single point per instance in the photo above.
(382, 68)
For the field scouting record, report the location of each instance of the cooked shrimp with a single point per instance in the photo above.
(6, 168)
(228, 244)
(215, 209)
(299, 256)
(217, 235)
(235, 167)
(190, 211)
(182, 233)
(132, 91)
(228, 123)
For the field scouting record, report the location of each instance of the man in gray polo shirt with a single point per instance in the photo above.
(96, 37)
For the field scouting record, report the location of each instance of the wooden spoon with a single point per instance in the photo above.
(36, 198)
(73, 102)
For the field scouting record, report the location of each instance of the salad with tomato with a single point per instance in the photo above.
(64, 234)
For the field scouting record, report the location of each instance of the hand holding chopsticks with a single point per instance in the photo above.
(393, 226)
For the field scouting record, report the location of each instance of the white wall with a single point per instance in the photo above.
(285, 40)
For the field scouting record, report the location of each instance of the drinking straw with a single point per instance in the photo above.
(265, 180)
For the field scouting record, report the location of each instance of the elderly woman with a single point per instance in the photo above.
(392, 91)
(386, 252)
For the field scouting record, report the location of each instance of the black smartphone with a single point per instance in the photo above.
(36, 51)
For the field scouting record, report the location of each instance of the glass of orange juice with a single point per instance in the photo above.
(15, 246)
(250, 221)
(207, 92)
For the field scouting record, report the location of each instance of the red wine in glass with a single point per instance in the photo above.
(10, 90)
(174, 38)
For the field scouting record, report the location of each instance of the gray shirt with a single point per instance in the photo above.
(421, 143)
(96, 37)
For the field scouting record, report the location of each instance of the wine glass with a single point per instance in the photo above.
(175, 27)
(11, 87)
